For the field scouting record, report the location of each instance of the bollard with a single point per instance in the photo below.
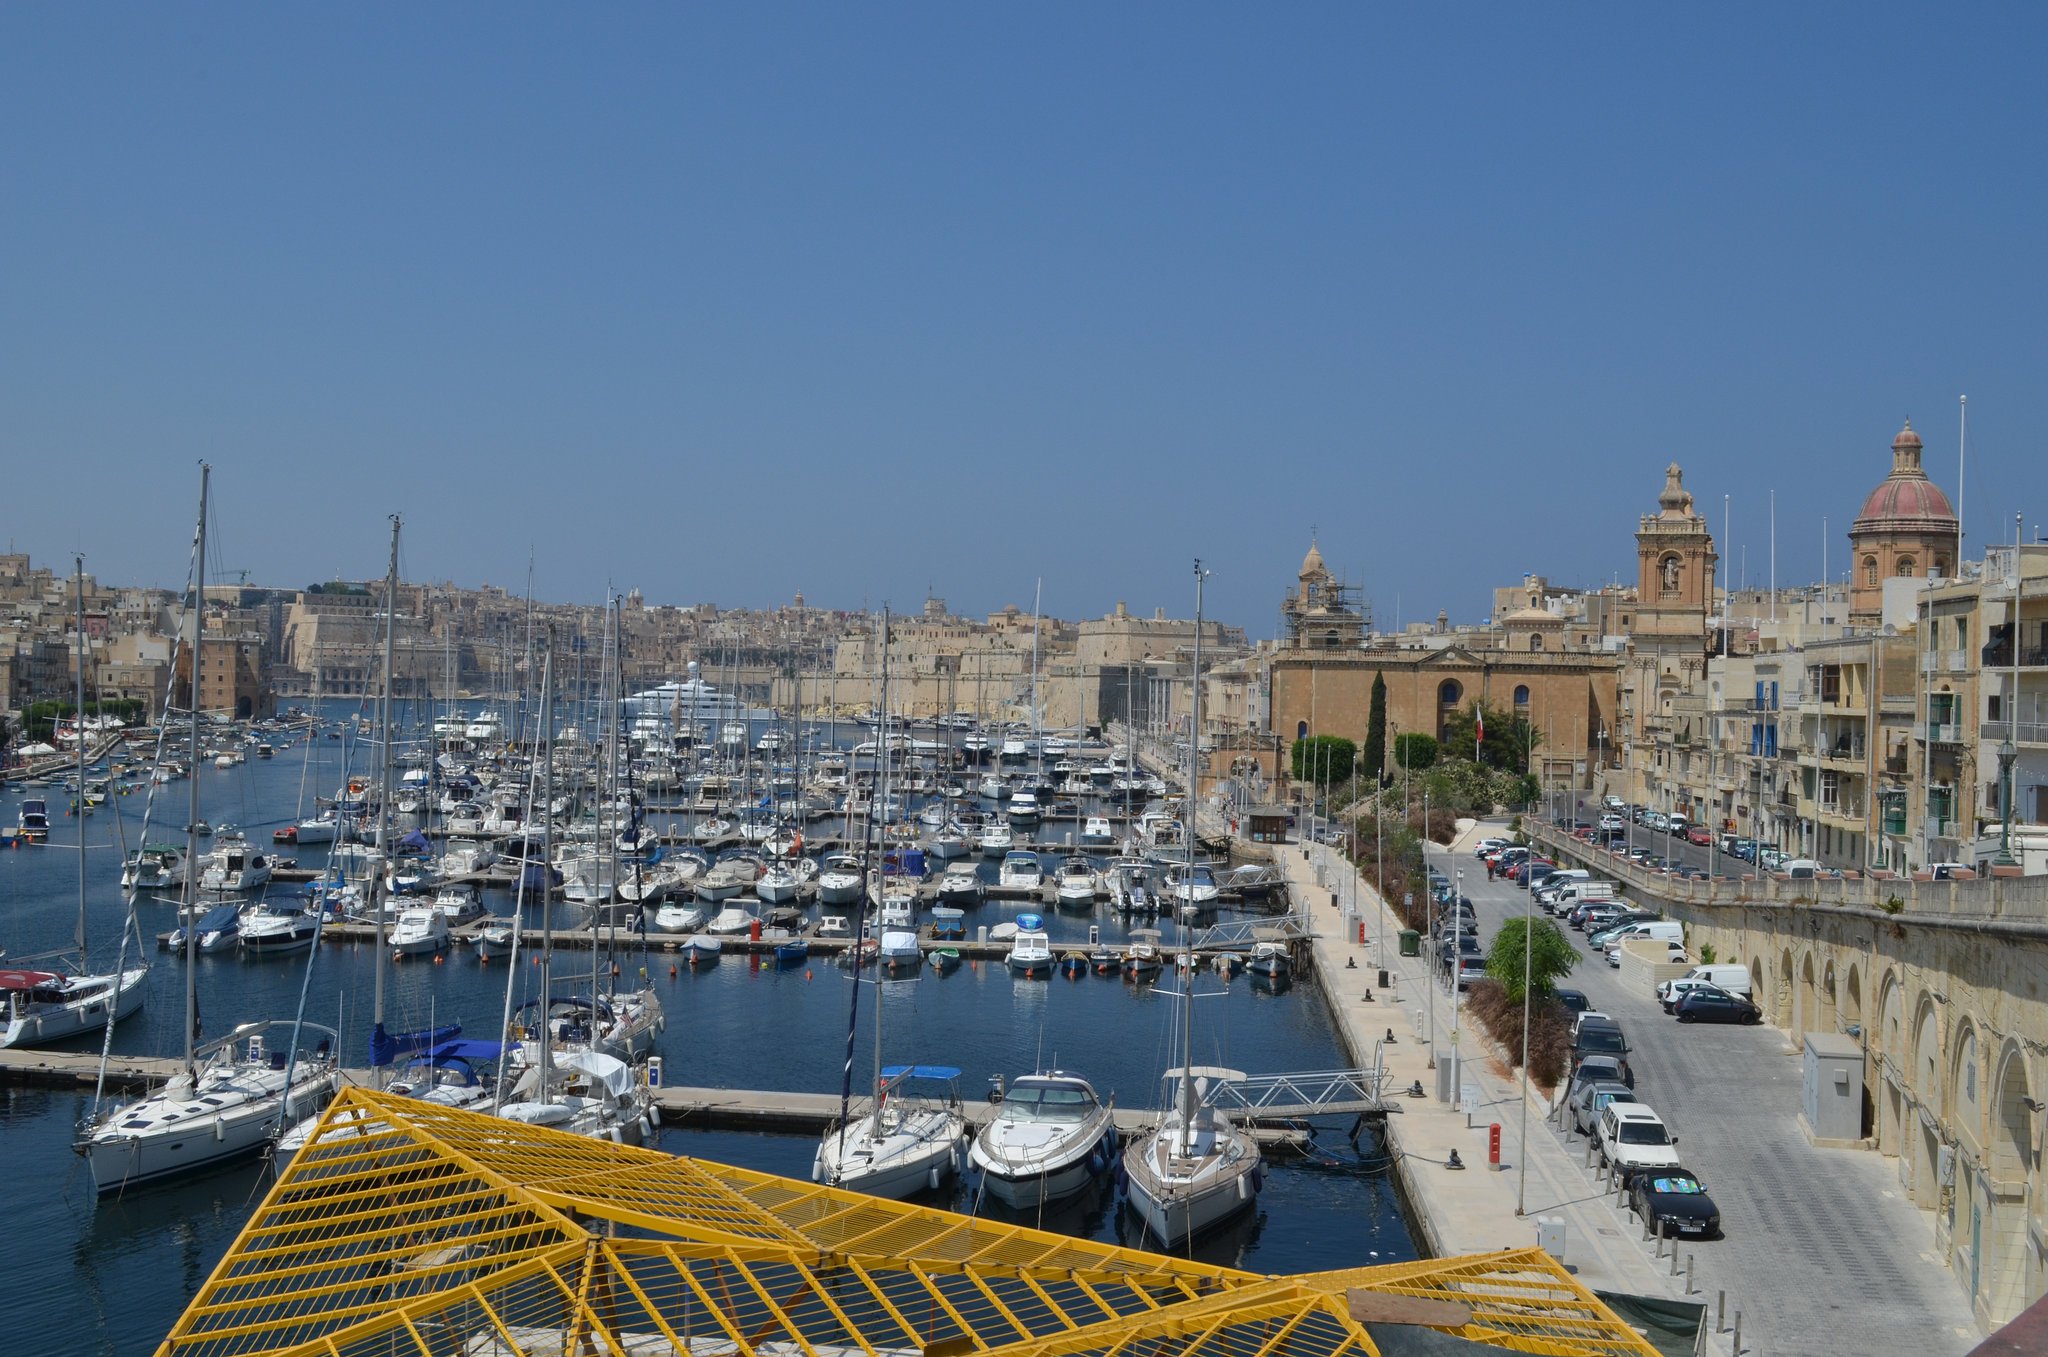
(1736, 1350)
(1674, 1260)
(1721, 1312)
(1646, 1231)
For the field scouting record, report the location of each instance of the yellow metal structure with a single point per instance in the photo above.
(407, 1228)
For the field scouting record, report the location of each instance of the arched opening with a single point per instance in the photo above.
(1448, 692)
(1889, 1024)
(1301, 731)
(1331, 640)
(1826, 1021)
(1785, 1014)
(1924, 1065)
(1522, 691)
(1870, 571)
(1759, 984)
(1803, 1020)
(1852, 999)
(1535, 640)
(1906, 567)
(2011, 1149)
(2012, 1140)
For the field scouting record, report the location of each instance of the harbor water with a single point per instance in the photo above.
(110, 1276)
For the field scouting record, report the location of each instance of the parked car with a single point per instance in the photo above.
(1674, 1204)
(1700, 835)
(1674, 954)
(1592, 1099)
(1621, 923)
(1600, 1036)
(1725, 975)
(1707, 1004)
(1610, 1069)
(1487, 846)
(1470, 967)
(1574, 1001)
(1634, 1139)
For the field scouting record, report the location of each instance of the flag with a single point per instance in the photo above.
(1479, 732)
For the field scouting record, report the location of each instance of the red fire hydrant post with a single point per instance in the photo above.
(1493, 1145)
(1361, 932)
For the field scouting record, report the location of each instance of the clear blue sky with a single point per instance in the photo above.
(724, 302)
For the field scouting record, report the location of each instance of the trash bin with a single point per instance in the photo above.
(1411, 942)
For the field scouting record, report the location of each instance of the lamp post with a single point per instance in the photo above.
(2008, 754)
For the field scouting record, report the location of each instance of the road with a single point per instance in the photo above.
(1585, 806)
(1822, 1252)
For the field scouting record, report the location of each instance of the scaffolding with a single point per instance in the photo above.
(407, 1228)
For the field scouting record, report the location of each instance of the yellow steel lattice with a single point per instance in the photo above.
(407, 1228)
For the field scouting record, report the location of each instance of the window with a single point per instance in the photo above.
(1448, 693)
(1535, 641)
(1870, 571)
(1905, 567)
(1301, 729)
(1522, 691)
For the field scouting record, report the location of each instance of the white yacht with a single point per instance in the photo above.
(1198, 1169)
(1023, 808)
(1098, 830)
(220, 930)
(732, 920)
(1030, 952)
(278, 926)
(898, 910)
(155, 866)
(840, 880)
(677, 917)
(996, 840)
(1021, 871)
(721, 883)
(949, 843)
(903, 1146)
(1051, 1136)
(991, 788)
(239, 1090)
(234, 866)
(961, 885)
(419, 930)
(458, 904)
(39, 1007)
(776, 885)
(1076, 884)
(1192, 887)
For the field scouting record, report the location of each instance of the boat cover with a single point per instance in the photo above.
(613, 1073)
(385, 1048)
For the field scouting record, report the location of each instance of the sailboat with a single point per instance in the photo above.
(233, 1090)
(1197, 1169)
(38, 1007)
(901, 1145)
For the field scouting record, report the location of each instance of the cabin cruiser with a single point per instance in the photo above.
(898, 910)
(996, 840)
(321, 828)
(840, 880)
(278, 926)
(32, 821)
(418, 930)
(732, 920)
(1050, 1137)
(155, 866)
(1076, 884)
(1192, 888)
(1127, 880)
(961, 885)
(226, 1104)
(1023, 808)
(458, 904)
(1031, 953)
(899, 950)
(465, 857)
(39, 1007)
(1021, 871)
(1098, 830)
(677, 917)
(1270, 961)
(232, 866)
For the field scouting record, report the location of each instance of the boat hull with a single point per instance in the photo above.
(122, 1162)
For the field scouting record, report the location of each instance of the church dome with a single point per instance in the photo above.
(1906, 500)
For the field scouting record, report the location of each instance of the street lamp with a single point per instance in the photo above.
(2008, 754)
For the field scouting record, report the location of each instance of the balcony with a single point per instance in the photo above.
(1944, 732)
(1958, 661)
(2019, 732)
(1845, 751)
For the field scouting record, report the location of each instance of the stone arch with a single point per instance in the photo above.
(1535, 640)
(2012, 1131)
(1828, 1019)
(1807, 1006)
(1852, 998)
(1890, 1041)
(2008, 1156)
(1923, 1068)
(1870, 571)
(1301, 730)
(1759, 984)
(1783, 1014)
(1965, 1087)
(1906, 567)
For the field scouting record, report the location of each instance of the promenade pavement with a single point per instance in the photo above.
(1821, 1250)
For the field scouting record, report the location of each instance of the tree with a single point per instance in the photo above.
(1414, 752)
(1376, 733)
(1551, 958)
(1510, 740)
(1324, 759)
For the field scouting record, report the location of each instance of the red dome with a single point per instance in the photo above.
(1907, 438)
(1906, 502)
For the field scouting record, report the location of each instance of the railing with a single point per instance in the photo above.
(1958, 661)
(1845, 749)
(1239, 932)
(1298, 1095)
(1944, 732)
(2021, 732)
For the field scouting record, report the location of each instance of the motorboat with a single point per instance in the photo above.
(40, 1007)
(677, 917)
(898, 909)
(233, 866)
(155, 866)
(279, 926)
(702, 950)
(902, 1146)
(458, 904)
(996, 840)
(793, 953)
(899, 950)
(1271, 961)
(833, 926)
(495, 940)
(32, 820)
(322, 828)
(840, 880)
(961, 885)
(1021, 871)
(220, 930)
(1023, 808)
(722, 882)
(1049, 1139)
(712, 830)
(1031, 953)
(1192, 887)
(1141, 962)
(732, 920)
(239, 1088)
(1076, 884)
(948, 923)
(417, 931)
(1098, 830)
(466, 857)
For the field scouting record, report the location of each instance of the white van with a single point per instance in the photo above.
(1579, 892)
(1721, 975)
(1800, 869)
(1656, 930)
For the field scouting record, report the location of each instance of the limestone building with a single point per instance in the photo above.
(1906, 529)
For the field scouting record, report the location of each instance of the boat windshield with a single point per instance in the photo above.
(1025, 1101)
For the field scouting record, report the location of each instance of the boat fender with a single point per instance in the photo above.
(654, 1115)
(1244, 1187)
(932, 1178)
(818, 1167)
(617, 1137)
(1259, 1178)
(220, 1128)
(646, 1131)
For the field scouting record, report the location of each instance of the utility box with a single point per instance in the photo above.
(1831, 1092)
(1550, 1235)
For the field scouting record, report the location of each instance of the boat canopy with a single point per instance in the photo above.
(219, 917)
(385, 1048)
(920, 1072)
(472, 1050)
(22, 981)
(613, 1073)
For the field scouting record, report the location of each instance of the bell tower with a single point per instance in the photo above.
(1675, 564)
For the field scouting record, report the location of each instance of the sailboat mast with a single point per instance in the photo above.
(882, 877)
(860, 918)
(192, 816)
(380, 892)
(547, 853)
(1187, 1026)
(78, 729)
